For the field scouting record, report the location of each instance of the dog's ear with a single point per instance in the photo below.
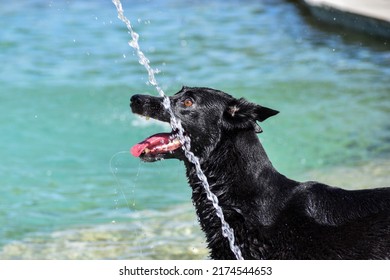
(243, 114)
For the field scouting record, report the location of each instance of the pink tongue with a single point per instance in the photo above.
(137, 149)
(152, 141)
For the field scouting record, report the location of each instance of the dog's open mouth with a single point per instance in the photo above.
(156, 146)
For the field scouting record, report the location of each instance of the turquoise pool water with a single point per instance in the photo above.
(69, 187)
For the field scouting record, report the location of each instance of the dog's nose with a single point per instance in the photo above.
(138, 101)
(135, 99)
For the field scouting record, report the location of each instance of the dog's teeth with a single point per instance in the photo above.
(147, 151)
(147, 118)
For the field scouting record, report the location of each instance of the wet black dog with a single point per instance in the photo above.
(273, 217)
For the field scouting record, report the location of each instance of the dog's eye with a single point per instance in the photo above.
(188, 102)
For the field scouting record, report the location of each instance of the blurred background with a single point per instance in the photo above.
(69, 187)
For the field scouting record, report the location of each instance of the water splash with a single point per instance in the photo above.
(227, 231)
(114, 172)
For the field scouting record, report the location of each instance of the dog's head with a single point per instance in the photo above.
(205, 114)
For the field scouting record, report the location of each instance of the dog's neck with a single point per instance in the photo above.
(248, 174)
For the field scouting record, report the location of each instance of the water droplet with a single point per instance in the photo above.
(133, 44)
(153, 82)
(135, 36)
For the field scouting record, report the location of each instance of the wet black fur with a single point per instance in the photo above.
(273, 217)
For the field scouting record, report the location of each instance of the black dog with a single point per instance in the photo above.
(273, 217)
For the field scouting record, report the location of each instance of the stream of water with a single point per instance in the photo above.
(227, 231)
